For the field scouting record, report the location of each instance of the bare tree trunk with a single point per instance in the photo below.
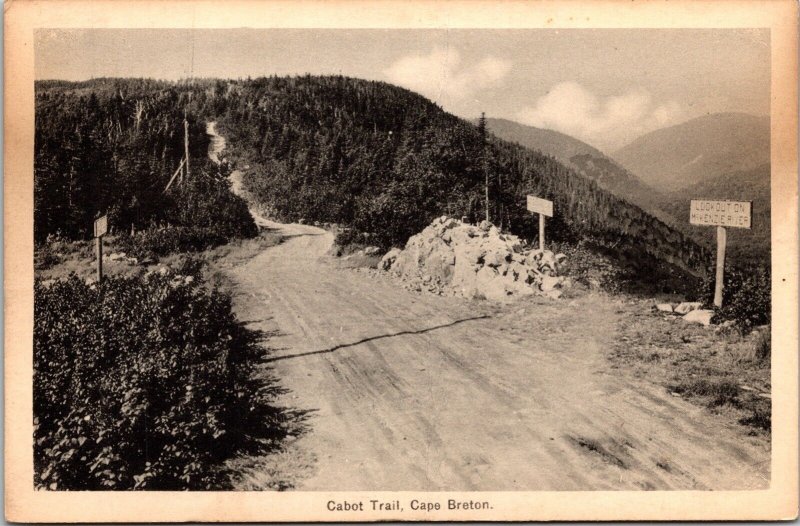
(138, 112)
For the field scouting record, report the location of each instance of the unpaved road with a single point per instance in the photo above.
(413, 391)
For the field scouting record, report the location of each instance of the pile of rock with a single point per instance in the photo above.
(691, 311)
(474, 261)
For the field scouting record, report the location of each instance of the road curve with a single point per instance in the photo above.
(411, 391)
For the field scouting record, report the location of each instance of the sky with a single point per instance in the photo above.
(604, 86)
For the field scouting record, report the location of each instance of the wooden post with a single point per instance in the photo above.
(541, 231)
(720, 278)
(98, 244)
(544, 208)
(100, 229)
(186, 143)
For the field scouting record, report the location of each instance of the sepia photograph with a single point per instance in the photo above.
(407, 260)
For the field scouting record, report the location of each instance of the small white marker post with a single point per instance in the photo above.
(543, 207)
(737, 214)
(100, 229)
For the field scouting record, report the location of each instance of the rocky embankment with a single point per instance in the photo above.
(450, 256)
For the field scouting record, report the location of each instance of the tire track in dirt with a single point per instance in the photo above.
(415, 391)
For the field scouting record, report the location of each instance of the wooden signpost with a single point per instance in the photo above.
(100, 229)
(737, 214)
(543, 207)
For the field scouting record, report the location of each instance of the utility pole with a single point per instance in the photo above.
(484, 163)
(186, 142)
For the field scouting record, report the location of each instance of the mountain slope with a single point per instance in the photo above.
(383, 162)
(676, 157)
(744, 246)
(556, 144)
(584, 159)
(386, 162)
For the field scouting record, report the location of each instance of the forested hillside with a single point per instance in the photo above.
(745, 247)
(367, 155)
(386, 161)
(111, 146)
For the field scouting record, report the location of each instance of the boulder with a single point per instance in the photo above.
(371, 251)
(549, 283)
(388, 259)
(701, 316)
(548, 259)
(489, 286)
(664, 307)
(554, 294)
(687, 307)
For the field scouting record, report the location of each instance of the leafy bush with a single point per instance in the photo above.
(206, 214)
(747, 296)
(170, 239)
(349, 236)
(143, 383)
(762, 347)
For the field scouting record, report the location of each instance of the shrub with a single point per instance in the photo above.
(762, 347)
(719, 392)
(346, 237)
(143, 383)
(206, 214)
(747, 296)
(171, 239)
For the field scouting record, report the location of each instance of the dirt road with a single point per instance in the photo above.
(415, 391)
(411, 391)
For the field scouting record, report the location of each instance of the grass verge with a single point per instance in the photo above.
(716, 367)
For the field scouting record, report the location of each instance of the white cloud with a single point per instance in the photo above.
(607, 123)
(442, 76)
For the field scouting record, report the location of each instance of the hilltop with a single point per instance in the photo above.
(677, 157)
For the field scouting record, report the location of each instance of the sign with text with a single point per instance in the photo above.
(540, 206)
(101, 226)
(708, 212)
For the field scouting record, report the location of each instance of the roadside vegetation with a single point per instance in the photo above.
(110, 147)
(723, 368)
(145, 383)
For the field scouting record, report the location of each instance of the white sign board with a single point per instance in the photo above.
(707, 212)
(540, 206)
(100, 226)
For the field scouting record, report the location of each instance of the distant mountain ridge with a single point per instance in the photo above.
(550, 142)
(672, 206)
(676, 157)
(583, 158)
